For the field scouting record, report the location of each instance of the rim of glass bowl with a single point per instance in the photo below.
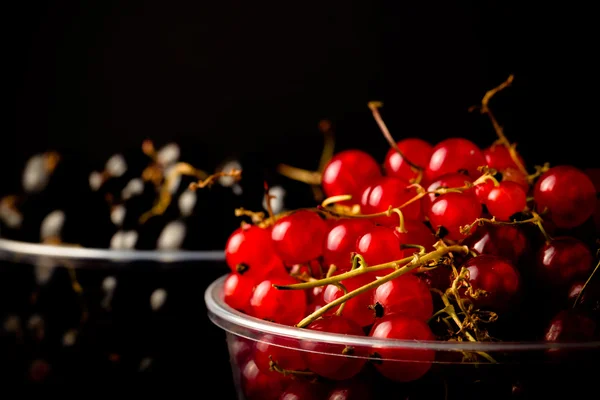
(24, 252)
(230, 319)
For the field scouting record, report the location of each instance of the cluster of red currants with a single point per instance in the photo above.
(449, 220)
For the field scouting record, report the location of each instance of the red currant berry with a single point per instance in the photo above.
(516, 176)
(564, 259)
(454, 155)
(298, 237)
(390, 192)
(379, 245)
(249, 251)
(497, 277)
(506, 241)
(286, 307)
(570, 326)
(567, 194)
(350, 390)
(357, 309)
(505, 200)
(325, 359)
(451, 211)
(402, 364)
(348, 172)
(270, 349)
(240, 349)
(589, 299)
(257, 385)
(498, 157)
(237, 290)
(416, 150)
(304, 390)
(406, 295)
(437, 278)
(418, 233)
(451, 180)
(340, 242)
(482, 190)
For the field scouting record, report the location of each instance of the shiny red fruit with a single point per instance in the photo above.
(570, 326)
(498, 157)
(298, 237)
(416, 150)
(357, 309)
(257, 385)
(249, 250)
(402, 364)
(350, 390)
(340, 241)
(286, 307)
(482, 190)
(454, 155)
(280, 351)
(516, 176)
(567, 194)
(506, 241)
(451, 180)
(326, 359)
(390, 192)
(237, 290)
(505, 200)
(497, 277)
(418, 233)
(348, 172)
(451, 211)
(379, 245)
(406, 295)
(303, 389)
(563, 260)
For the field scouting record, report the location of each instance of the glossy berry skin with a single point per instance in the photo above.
(567, 194)
(516, 176)
(570, 326)
(303, 390)
(451, 180)
(240, 349)
(257, 385)
(237, 290)
(350, 390)
(406, 295)
(589, 301)
(507, 241)
(298, 237)
(415, 232)
(498, 157)
(505, 200)
(348, 172)
(249, 250)
(402, 364)
(324, 358)
(451, 211)
(482, 191)
(416, 150)
(454, 155)
(498, 277)
(340, 241)
(390, 192)
(562, 260)
(280, 351)
(357, 309)
(379, 245)
(286, 307)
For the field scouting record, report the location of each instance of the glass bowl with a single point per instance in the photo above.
(419, 370)
(78, 315)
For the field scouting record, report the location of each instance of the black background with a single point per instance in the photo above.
(232, 76)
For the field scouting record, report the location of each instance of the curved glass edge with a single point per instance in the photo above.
(229, 319)
(26, 252)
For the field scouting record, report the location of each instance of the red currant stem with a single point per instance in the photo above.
(210, 180)
(486, 177)
(256, 217)
(341, 308)
(374, 106)
(484, 109)
(540, 224)
(336, 199)
(413, 262)
(536, 219)
(164, 196)
(78, 289)
(330, 271)
(539, 170)
(286, 372)
(401, 228)
(585, 284)
(328, 144)
(299, 174)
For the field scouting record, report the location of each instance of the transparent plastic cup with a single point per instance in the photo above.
(408, 370)
(76, 315)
